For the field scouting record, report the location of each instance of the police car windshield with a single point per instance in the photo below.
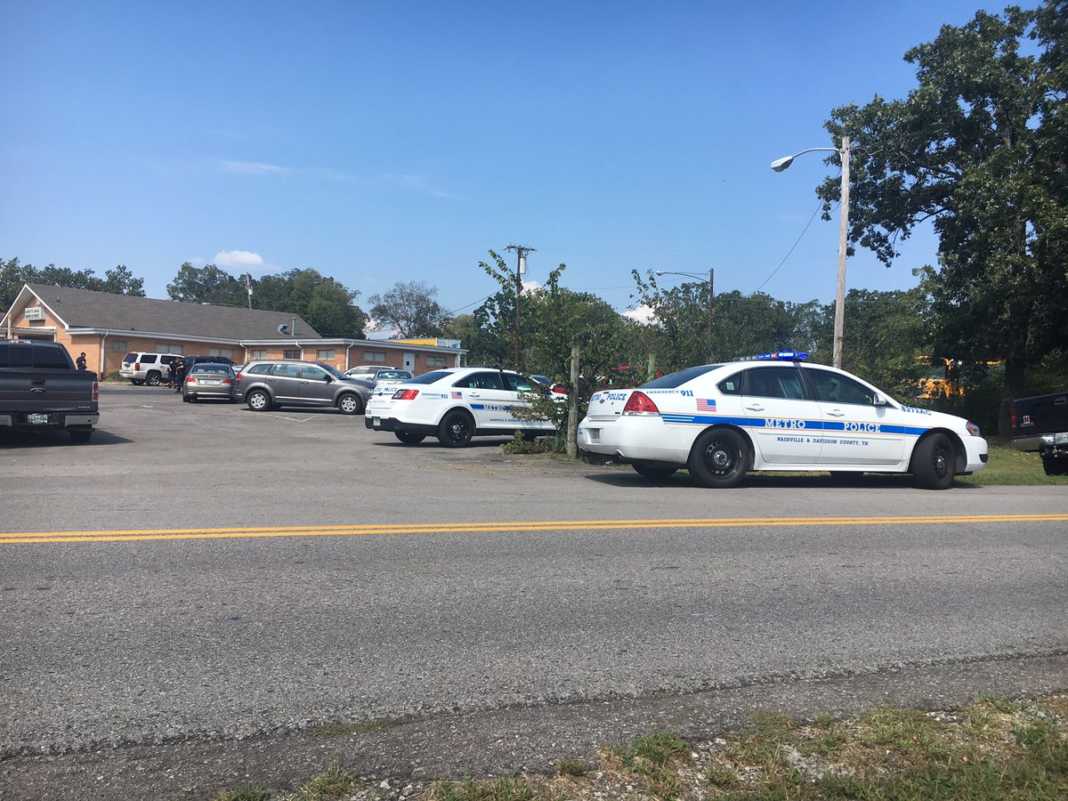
(430, 378)
(675, 380)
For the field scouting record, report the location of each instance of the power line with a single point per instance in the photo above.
(797, 241)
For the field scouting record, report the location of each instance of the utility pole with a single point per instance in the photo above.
(843, 245)
(521, 252)
(711, 307)
(248, 287)
(843, 152)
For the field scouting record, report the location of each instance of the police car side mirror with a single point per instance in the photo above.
(880, 402)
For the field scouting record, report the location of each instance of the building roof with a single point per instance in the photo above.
(84, 308)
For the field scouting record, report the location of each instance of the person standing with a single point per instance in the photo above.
(177, 374)
(80, 362)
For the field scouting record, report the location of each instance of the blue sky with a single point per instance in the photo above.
(380, 142)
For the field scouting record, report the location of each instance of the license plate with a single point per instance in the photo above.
(37, 419)
(376, 421)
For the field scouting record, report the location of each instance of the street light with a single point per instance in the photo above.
(711, 281)
(783, 163)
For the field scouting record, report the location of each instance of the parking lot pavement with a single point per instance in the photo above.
(156, 462)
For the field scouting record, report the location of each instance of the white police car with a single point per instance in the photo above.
(455, 405)
(774, 412)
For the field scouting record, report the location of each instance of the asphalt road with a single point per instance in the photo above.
(155, 641)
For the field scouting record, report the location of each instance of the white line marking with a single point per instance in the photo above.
(296, 419)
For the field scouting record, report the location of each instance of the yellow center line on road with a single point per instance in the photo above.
(515, 527)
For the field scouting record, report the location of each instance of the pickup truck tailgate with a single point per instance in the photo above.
(46, 391)
(1042, 414)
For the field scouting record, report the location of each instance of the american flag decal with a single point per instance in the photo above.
(706, 405)
(457, 395)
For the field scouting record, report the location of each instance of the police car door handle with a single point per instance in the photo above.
(836, 413)
(756, 407)
(473, 395)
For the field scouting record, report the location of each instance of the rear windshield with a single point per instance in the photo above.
(52, 358)
(211, 368)
(15, 355)
(129, 358)
(431, 377)
(394, 374)
(675, 380)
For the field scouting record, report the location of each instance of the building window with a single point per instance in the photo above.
(291, 354)
(219, 352)
(374, 356)
(119, 345)
(436, 361)
(326, 355)
(256, 355)
(167, 347)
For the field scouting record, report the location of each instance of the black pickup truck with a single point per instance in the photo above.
(40, 388)
(1040, 424)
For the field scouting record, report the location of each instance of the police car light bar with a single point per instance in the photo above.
(777, 356)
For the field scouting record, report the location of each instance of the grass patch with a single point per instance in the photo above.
(518, 444)
(992, 750)
(244, 794)
(506, 789)
(572, 767)
(1008, 466)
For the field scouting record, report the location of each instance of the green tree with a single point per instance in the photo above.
(411, 309)
(327, 304)
(207, 284)
(979, 149)
(13, 274)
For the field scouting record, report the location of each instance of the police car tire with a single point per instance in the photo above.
(409, 437)
(933, 462)
(352, 408)
(652, 472)
(736, 450)
(456, 429)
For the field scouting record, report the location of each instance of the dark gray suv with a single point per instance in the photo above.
(272, 384)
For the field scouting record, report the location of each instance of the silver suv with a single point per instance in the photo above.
(272, 384)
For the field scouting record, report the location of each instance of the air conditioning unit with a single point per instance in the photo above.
(34, 313)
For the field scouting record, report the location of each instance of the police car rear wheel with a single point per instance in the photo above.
(719, 459)
(934, 461)
(409, 437)
(654, 472)
(456, 430)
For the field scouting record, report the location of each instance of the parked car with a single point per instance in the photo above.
(147, 368)
(267, 385)
(208, 380)
(368, 372)
(40, 389)
(456, 404)
(775, 412)
(555, 387)
(391, 378)
(192, 361)
(1040, 423)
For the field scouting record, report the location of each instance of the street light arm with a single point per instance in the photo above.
(781, 164)
(685, 275)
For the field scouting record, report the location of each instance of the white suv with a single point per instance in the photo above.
(148, 368)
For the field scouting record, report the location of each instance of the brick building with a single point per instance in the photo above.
(106, 327)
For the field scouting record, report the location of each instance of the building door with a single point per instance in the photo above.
(409, 361)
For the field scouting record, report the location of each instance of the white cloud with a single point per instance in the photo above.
(241, 259)
(642, 314)
(532, 286)
(255, 168)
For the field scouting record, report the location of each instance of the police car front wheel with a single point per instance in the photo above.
(720, 458)
(934, 461)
